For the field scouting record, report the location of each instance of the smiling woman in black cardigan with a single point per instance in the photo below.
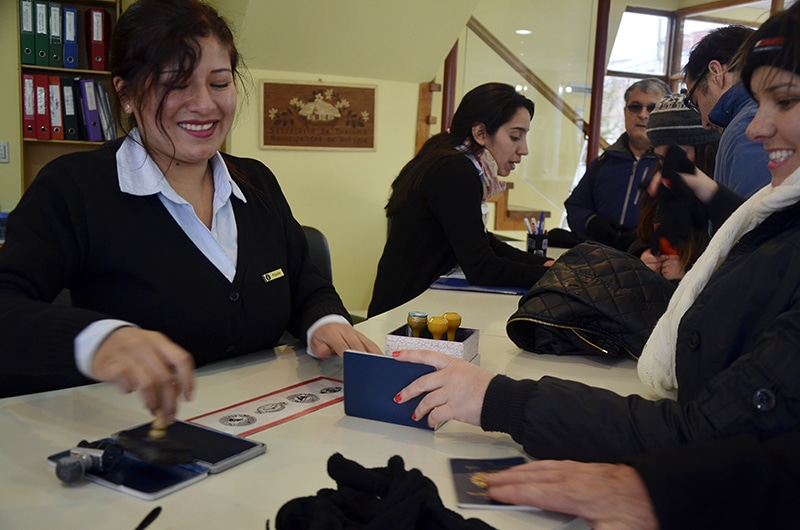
(175, 254)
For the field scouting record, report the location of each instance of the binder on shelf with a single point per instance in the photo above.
(28, 107)
(104, 109)
(56, 39)
(91, 118)
(70, 107)
(41, 85)
(56, 112)
(42, 34)
(98, 33)
(70, 37)
(27, 41)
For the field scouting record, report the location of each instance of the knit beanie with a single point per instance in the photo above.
(775, 43)
(672, 122)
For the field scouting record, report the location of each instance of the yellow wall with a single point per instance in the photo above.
(10, 128)
(340, 192)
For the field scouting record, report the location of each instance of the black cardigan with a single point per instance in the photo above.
(123, 256)
(439, 226)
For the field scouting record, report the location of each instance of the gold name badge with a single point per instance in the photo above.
(274, 275)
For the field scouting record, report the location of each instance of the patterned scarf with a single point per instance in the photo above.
(657, 364)
(491, 183)
(487, 169)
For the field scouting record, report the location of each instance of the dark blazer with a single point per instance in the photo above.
(124, 256)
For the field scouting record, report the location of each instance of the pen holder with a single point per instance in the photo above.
(537, 244)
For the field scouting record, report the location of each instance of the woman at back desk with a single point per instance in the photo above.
(437, 210)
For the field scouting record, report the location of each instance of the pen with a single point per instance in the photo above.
(149, 518)
(541, 222)
(527, 225)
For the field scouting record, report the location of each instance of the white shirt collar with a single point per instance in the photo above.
(138, 174)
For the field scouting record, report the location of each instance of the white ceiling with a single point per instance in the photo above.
(407, 40)
(404, 40)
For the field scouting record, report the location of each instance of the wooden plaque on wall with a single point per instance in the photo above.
(317, 116)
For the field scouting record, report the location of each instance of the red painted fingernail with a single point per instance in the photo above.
(413, 416)
(397, 398)
(395, 353)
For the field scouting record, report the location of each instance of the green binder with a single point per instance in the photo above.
(27, 43)
(41, 33)
(56, 35)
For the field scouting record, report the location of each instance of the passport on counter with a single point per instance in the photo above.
(470, 488)
(370, 383)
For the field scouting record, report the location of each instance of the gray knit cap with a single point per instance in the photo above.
(672, 122)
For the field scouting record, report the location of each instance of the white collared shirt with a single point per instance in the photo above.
(139, 175)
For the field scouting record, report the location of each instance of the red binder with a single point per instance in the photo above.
(56, 108)
(42, 94)
(28, 107)
(98, 34)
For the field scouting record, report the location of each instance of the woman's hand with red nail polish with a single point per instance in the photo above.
(455, 391)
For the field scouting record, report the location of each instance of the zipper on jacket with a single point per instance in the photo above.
(561, 326)
(628, 192)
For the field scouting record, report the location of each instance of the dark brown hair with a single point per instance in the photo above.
(492, 104)
(152, 36)
(776, 43)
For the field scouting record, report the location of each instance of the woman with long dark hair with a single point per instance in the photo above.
(437, 208)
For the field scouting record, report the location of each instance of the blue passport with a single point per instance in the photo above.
(371, 382)
(470, 488)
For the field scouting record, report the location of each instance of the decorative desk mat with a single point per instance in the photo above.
(269, 410)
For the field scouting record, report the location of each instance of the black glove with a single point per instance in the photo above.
(373, 499)
(603, 230)
(679, 213)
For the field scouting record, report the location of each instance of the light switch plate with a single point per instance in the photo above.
(4, 157)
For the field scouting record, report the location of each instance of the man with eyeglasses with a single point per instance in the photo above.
(604, 206)
(714, 90)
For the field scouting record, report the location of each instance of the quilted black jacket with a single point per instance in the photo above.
(594, 299)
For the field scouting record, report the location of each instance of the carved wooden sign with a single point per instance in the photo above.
(317, 116)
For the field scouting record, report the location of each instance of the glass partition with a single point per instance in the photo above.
(557, 51)
(554, 41)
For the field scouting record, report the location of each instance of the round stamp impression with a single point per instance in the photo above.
(303, 397)
(237, 420)
(271, 407)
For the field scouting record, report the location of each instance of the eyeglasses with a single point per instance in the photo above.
(688, 101)
(636, 108)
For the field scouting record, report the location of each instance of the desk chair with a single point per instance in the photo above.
(319, 251)
(320, 254)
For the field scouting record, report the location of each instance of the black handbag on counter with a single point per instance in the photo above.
(594, 300)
